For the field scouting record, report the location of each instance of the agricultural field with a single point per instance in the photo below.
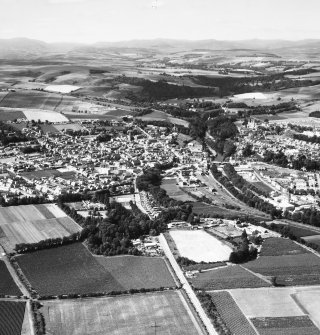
(262, 186)
(273, 302)
(292, 325)
(61, 88)
(11, 317)
(71, 126)
(12, 115)
(289, 270)
(67, 269)
(73, 269)
(277, 246)
(134, 272)
(130, 314)
(44, 115)
(232, 314)
(162, 116)
(7, 284)
(174, 191)
(228, 277)
(315, 239)
(200, 246)
(34, 223)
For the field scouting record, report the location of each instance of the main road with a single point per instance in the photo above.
(186, 286)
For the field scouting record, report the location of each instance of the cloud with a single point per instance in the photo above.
(65, 1)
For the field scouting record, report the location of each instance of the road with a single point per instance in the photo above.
(186, 286)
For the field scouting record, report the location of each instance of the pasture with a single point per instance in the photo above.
(162, 116)
(174, 191)
(44, 115)
(315, 239)
(11, 317)
(61, 88)
(7, 284)
(228, 277)
(33, 223)
(231, 314)
(134, 315)
(199, 246)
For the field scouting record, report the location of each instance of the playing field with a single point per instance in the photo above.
(134, 315)
(199, 246)
(33, 223)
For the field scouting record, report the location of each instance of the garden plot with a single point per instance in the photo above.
(199, 246)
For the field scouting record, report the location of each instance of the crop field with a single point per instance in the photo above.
(134, 315)
(33, 223)
(309, 300)
(301, 232)
(228, 277)
(11, 317)
(295, 325)
(67, 269)
(162, 116)
(289, 270)
(6, 115)
(7, 284)
(174, 191)
(73, 269)
(273, 302)
(277, 246)
(61, 88)
(138, 272)
(231, 314)
(200, 246)
(48, 128)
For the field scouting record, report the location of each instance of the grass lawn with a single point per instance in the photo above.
(277, 246)
(130, 314)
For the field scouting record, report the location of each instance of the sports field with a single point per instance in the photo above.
(33, 223)
(134, 315)
(199, 246)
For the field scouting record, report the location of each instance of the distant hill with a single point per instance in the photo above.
(24, 47)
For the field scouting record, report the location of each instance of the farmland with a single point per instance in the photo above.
(33, 223)
(301, 269)
(199, 246)
(231, 314)
(11, 317)
(7, 284)
(67, 269)
(134, 315)
(273, 302)
(138, 272)
(174, 191)
(277, 246)
(227, 278)
(295, 325)
(72, 269)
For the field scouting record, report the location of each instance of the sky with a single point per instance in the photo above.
(90, 21)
